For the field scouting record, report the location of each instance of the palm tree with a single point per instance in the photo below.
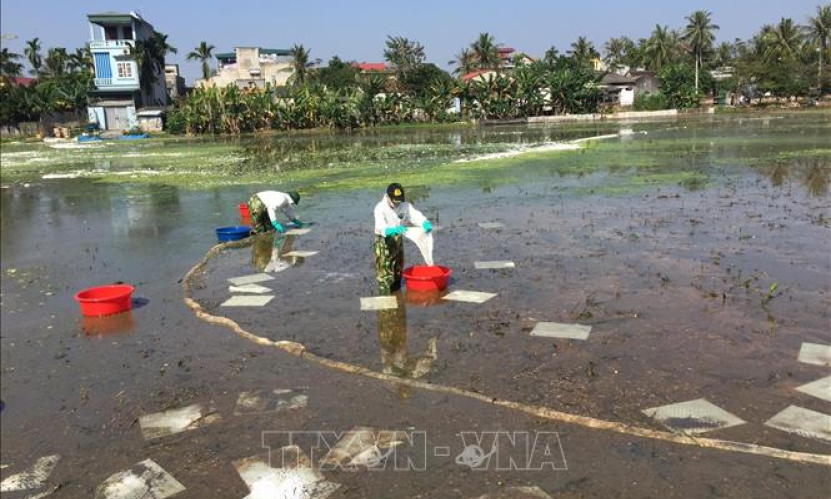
(485, 53)
(699, 35)
(465, 62)
(9, 67)
(56, 61)
(299, 64)
(203, 53)
(819, 32)
(660, 48)
(163, 47)
(616, 49)
(32, 53)
(551, 55)
(81, 60)
(403, 54)
(724, 54)
(583, 51)
(783, 41)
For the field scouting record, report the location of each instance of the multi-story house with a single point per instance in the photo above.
(250, 67)
(118, 88)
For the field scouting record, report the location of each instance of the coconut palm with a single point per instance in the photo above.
(616, 50)
(465, 62)
(32, 53)
(299, 64)
(203, 53)
(162, 46)
(660, 47)
(819, 32)
(724, 54)
(551, 55)
(583, 51)
(403, 54)
(699, 35)
(9, 67)
(81, 60)
(485, 53)
(782, 42)
(56, 62)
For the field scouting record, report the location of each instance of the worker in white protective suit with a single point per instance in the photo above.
(392, 217)
(263, 207)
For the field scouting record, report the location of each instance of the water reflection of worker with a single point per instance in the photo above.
(266, 251)
(392, 337)
(263, 208)
(392, 216)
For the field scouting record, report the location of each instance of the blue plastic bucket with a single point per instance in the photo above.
(235, 233)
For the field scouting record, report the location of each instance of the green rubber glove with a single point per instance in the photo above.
(428, 227)
(395, 231)
(278, 226)
(297, 223)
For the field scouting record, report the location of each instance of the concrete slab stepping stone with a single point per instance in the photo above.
(162, 424)
(560, 330)
(297, 232)
(145, 480)
(32, 478)
(803, 422)
(491, 225)
(300, 254)
(250, 279)
(379, 303)
(693, 416)
(247, 301)
(469, 296)
(266, 401)
(363, 446)
(494, 265)
(814, 353)
(250, 288)
(517, 493)
(820, 389)
(285, 473)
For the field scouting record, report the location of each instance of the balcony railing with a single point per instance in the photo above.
(110, 44)
(117, 83)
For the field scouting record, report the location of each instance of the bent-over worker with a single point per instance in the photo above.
(392, 217)
(263, 208)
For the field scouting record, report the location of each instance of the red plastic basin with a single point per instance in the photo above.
(423, 278)
(105, 300)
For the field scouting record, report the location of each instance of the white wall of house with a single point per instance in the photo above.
(627, 96)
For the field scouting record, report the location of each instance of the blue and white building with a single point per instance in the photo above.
(118, 91)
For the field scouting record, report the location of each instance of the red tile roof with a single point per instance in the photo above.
(23, 81)
(370, 66)
(474, 74)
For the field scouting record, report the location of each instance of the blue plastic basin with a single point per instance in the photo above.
(235, 233)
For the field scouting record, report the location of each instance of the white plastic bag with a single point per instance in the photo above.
(423, 240)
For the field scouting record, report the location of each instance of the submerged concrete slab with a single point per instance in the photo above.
(517, 493)
(495, 265)
(145, 480)
(250, 279)
(300, 254)
(803, 422)
(560, 330)
(491, 225)
(814, 353)
(820, 389)
(379, 303)
(247, 301)
(162, 424)
(250, 288)
(267, 401)
(693, 416)
(297, 232)
(32, 478)
(469, 296)
(363, 447)
(285, 473)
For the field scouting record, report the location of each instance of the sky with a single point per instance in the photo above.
(357, 29)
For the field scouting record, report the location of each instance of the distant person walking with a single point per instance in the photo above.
(264, 206)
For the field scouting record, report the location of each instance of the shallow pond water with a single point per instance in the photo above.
(666, 241)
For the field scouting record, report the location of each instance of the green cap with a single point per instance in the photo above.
(295, 196)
